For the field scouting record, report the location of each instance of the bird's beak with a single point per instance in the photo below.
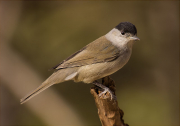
(135, 38)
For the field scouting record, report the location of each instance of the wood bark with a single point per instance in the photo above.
(109, 112)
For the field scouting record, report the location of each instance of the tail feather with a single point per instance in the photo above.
(56, 77)
(35, 92)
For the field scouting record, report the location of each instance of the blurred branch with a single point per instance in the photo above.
(109, 112)
(20, 78)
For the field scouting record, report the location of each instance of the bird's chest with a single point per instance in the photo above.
(112, 67)
(124, 57)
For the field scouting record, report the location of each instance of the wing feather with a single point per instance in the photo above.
(101, 50)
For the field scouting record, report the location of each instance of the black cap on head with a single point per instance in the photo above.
(127, 27)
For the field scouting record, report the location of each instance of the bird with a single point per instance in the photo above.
(100, 58)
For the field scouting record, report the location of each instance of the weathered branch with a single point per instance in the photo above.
(109, 112)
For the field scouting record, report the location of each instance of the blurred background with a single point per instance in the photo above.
(37, 35)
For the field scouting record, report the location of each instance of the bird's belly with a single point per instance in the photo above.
(90, 73)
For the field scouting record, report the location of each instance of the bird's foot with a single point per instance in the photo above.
(105, 90)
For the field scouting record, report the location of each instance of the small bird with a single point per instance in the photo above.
(98, 59)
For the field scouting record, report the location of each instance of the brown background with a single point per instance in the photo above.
(38, 35)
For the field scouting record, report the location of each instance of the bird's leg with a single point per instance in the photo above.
(105, 90)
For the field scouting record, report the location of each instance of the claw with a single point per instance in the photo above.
(106, 89)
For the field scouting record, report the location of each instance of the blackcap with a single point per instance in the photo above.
(98, 59)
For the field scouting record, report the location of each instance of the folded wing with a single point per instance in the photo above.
(101, 50)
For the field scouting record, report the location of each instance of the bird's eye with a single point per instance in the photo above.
(122, 33)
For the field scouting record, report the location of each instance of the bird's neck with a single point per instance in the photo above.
(130, 44)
